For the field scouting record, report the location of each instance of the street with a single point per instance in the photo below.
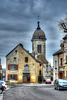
(1, 96)
(21, 92)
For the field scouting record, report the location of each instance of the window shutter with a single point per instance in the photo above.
(16, 77)
(8, 76)
(66, 59)
(9, 67)
(16, 67)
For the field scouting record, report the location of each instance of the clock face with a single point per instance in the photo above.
(38, 41)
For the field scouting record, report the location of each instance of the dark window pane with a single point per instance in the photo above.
(12, 77)
(26, 59)
(40, 72)
(61, 61)
(39, 48)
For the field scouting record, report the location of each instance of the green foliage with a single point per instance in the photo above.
(0, 76)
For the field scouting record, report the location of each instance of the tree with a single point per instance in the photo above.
(0, 76)
(63, 24)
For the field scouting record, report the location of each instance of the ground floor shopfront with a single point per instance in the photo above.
(61, 75)
(24, 78)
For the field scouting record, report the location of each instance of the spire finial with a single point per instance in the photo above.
(38, 28)
(38, 18)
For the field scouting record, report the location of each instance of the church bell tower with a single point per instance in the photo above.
(39, 41)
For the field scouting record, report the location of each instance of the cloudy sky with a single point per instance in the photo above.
(18, 21)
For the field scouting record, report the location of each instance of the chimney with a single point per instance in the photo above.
(28, 51)
(62, 46)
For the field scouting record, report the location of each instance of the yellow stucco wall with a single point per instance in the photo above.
(34, 66)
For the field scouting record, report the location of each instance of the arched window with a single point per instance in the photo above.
(39, 48)
(26, 69)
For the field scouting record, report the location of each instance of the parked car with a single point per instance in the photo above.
(1, 88)
(1, 91)
(3, 85)
(48, 81)
(60, 84)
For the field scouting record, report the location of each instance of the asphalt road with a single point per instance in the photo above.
(34, 93)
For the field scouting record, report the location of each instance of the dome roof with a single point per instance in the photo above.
(39, 34)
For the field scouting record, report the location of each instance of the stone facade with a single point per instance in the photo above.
(55, 67)
(60, 61)
(37, 65)
(17, 57)
(39, 50)
(37, 42)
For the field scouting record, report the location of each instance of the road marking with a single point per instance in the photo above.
(7, 89)
(1, 96)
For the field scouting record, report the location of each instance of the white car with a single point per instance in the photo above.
(3, 84)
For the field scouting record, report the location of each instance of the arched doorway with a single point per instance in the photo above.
(26, 75)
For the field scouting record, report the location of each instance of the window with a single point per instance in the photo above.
(66, 74)
(42, 37)
(12, 77)
(39, 48)
(26, 59)
(26, 69)
(12, 67)
(40, 72)
(40, 64)
(39, 37)
(15, 51)
(14, 58)
(66, 59)
(55, 64)
(61, 61)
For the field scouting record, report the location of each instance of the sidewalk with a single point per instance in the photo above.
(34, 84)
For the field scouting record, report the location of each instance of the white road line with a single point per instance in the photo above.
(1, 96)
(7, 89)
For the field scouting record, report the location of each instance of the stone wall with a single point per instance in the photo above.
(20, 55)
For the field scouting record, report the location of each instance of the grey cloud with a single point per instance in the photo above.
(18, 21)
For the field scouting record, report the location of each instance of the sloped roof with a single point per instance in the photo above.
(14, 49)
(42, 59)
(25, 50)
(65, 37)
(58, 52)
